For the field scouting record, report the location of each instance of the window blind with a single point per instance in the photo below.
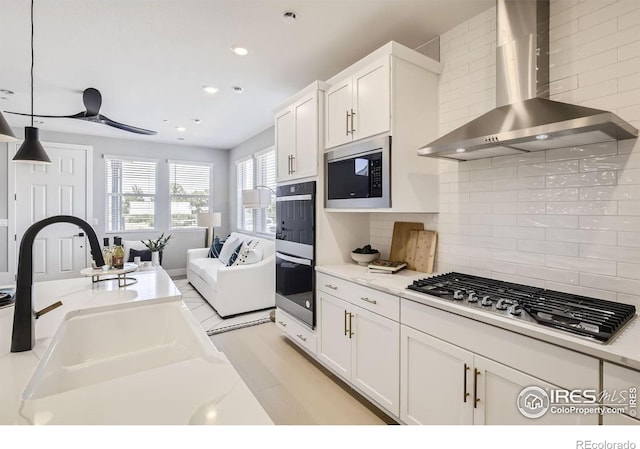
(190, 192)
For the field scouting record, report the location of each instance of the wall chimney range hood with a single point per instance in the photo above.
(525, 119)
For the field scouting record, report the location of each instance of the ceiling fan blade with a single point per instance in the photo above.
(92, 101)
(129, 128)
(78, 115)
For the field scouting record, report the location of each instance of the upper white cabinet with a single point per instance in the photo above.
(298, 138)
(358, 106)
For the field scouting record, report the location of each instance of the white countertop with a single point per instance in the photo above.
(194, 391)
(623, 350)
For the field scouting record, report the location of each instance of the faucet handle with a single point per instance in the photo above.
(48, 309)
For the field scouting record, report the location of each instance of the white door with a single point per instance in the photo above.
(41, 191)
(375, 357)
(334, 348)
(435, 380)
(285, 140)
(306, 117)
(338, 123)
(371, 100)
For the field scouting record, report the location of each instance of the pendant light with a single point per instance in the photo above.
(6, 135)
(31, 151)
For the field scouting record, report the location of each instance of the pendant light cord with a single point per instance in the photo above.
(32, 63)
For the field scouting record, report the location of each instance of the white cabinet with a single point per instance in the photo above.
(359, 106)
(357, 344)
(621, 387)
(297, 134)
(296, 332)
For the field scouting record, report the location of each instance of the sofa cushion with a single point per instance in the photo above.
(204, 265)
(228, 248)
(234, 256)
(145, 255)
(250, 253)
(216, 247)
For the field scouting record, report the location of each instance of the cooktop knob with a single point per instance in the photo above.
(458, 295)
(515, 310)
(486, 301)
(473, 297)
(502, 304)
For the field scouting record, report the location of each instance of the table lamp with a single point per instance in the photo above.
(258, 198)
(209, 220)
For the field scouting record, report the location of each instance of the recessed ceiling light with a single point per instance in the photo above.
(210, 89)
(237, 89)
(240, 51)
(542, 136)
(197, 121)
(461, 150)
(181, 129)
(289, 17)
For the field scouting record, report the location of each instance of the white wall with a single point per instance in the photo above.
(175, 255)
(566, 219)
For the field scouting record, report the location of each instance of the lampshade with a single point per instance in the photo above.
(6, 135)
(256, 198)
(209, 219)
(31, 151)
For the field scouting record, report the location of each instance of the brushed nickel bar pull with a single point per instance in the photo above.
(345, 323)
(282, 323)
(371, 301)
(293, 164)
(353, 114)
(347, 124)
(290, 170)
(476, 399)
(332, 287)
(466, 393)
(351, 325)
(301, 337)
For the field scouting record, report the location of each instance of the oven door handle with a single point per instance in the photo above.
(294, 198)
(293, 259)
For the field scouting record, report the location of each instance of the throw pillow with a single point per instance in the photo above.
(216, 247)
(145, 255)
(234, 255)
(228, 248)
(249, 253)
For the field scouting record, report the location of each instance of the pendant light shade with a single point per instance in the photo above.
(31, 151)
(6, 135)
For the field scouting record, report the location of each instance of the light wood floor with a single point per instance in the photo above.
(292, 387)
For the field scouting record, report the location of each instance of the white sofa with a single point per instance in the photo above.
(236, 289)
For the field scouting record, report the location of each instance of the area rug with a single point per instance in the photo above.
(208, 318)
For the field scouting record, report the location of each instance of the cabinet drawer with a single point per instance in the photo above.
(619, 380)
(296, 332)
(368, 298)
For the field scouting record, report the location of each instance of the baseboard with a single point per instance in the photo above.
(177, 272)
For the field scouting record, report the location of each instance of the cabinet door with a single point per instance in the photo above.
(305, 161)
(375, 357)
(334, 348)
(498, 387)
(338, 122)
(285, 140)
(372, 100)
(432, 380)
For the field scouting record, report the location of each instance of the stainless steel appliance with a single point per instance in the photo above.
(295, 250)
(591, 318)
(358, 175)
(525, 119)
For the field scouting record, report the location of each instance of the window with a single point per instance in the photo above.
(257, 171)
(190, 192)
(131, 194)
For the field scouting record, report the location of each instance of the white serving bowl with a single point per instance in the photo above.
(364, 259)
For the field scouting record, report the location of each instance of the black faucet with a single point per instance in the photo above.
(23, 336)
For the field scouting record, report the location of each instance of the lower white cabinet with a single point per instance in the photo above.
(362, 347)
(444, 384)
(296, 332)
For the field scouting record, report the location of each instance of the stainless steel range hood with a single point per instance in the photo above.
(525, 119)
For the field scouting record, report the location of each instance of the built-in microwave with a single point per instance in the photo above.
(358, 175)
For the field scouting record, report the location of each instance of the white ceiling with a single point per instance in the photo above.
(151, 58)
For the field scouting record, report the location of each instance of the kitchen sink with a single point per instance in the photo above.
(97, 345)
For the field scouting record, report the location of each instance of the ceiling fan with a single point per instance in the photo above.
(92, 101)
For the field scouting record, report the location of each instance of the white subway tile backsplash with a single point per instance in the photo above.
(629, 207)
(467, 251)
(616, 284)
(504, 208)
(518, 257)
(568, 194)
(534, 182)
(581, 265)
(582, 236)
(475, 186)
(549, 168)
(629, 239)
(517, 232)
(616, 70)
(612, 11)
(583, 207)
(628, 223)
(629, 255)
(493, 173)
(494, 219)
(493, 197)
(549, 274)
(518, 279)
(629, 270)
(556, 248)
(505, 184)
(603, 193)
(477, 164)
(583, 291)
(582, 152)
(629, 299)
(597, 178)
(619, 162)
(549, 221)
(531, 208)
(496, 266)
(629, 20)
(535, 157)
(493, 242)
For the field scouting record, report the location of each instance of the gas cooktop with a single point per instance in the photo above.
(591, 318)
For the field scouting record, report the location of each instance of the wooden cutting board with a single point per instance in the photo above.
(400, 238)
(425, 251)
(412, 244)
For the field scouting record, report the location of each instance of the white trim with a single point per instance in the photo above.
(243, 159)
(125, 157)
(265, 151)
(12, 147)
(183, 162)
